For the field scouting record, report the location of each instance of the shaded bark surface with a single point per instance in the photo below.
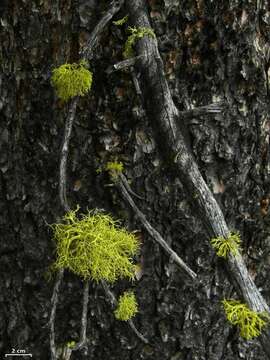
(212, 51)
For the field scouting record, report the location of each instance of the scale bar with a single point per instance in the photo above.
(18, 355)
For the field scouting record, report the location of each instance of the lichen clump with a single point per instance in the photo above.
(225, 246)
(249, 322)
(127, 306)
(114, 168)
(95, 247)
(71, 80)
(136, 33)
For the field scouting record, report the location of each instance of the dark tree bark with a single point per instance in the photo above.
(212, 52)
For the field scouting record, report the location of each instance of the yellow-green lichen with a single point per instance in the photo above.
(136, 33)
(225, 246)
(127, 306)
(249, 322)
(121, 22)
(71, 80)
(95, 247)
(71, 344)
(114, 168)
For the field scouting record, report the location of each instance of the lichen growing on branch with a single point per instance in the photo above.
(225, 246)
(71, 80)
(121, 22)
(249, 322)
(136, 33)
(114, 168)
(94, 246)
(127, 306)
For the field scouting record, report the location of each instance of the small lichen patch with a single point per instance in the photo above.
(71, 80)
(136, 33)
(225, 246)
(114, 168)
(94, 246)
(121, 22)
(249, 322)
(127, 306)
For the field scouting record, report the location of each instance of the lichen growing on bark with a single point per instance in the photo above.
(136, 33)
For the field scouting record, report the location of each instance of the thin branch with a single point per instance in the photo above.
(126, 184)
(86, 53)
(88, 50)
(64, 155)
(124, 64)
(152, 231)
(113, 302)
(83, 340)
(54, 301)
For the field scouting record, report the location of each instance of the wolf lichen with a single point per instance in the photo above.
(127, 306)
(121, 22)
(136, 33)
(114, 168)
(225, 246)
(95, 247)
(249, 322)
(71, 80)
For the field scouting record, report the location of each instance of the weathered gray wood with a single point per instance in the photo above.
(165, 116)
(152, 231)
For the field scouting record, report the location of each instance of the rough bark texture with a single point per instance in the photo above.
(212, 51)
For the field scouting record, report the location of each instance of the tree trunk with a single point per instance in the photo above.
(211, 52)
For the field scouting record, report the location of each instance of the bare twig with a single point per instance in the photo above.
(87, 51)
(83, 340)
(86, 54)
(113, 301)
(64, 155)
(125, 182)
(153, 232)
(124, 64)
(54, 302)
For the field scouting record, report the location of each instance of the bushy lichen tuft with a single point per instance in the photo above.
(249, 322)
(71, 344)
(71, 80)
(95, 247)
(225, 246)
(127, 306)
(114, 168)
(136, 33)
(121, 22)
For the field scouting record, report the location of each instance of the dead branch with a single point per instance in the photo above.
(64, 155)
(123, 65)
(87, 54)
(54, 302)
(83, 339)
(152, 231)
(87, 51)
(166, 116)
